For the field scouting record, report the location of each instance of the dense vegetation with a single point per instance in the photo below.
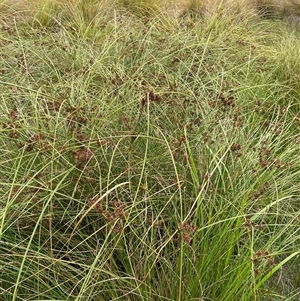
(148, 155)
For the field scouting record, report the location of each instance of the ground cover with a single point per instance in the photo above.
(147, 155)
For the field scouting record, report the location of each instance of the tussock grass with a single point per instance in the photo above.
(146, 156)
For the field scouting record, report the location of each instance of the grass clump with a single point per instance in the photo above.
(148, 158)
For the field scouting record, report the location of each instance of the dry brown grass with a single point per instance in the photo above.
(287, 9)
(242, 5)
(15, 9)
(19, 5)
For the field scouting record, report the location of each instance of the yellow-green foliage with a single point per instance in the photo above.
(149, 158)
